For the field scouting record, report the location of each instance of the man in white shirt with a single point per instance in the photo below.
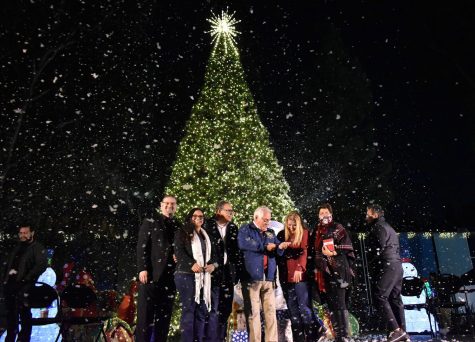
(223, 235)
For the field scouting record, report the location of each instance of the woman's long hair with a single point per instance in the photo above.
(294, 215)
(189, 225)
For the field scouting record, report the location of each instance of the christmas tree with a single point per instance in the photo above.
(225, 153)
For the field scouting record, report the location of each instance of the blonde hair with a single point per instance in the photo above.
(295, 216)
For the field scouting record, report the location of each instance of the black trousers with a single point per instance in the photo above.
(222, 295)
(17, 307)
(336, 298)
(154, 309)
(388, 296)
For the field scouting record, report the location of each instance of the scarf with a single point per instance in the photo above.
(202, 279)
(322, 229)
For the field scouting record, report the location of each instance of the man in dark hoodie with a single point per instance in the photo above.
(25, 264)
(386, 272)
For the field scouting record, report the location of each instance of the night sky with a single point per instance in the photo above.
(120, 79)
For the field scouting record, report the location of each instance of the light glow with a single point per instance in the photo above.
(223, 30)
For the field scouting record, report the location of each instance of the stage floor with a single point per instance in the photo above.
(415, 338)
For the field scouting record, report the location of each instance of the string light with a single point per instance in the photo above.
(225, 152)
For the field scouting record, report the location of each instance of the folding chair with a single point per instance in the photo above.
(76, 297)
(446, 286)
(41, 296)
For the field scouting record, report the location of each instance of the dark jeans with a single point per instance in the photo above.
(154, 309)
(221, 307)
(193, 315)
(337, 304)
(388, 296)
(335, 296)
(16, 306)
(304, 322)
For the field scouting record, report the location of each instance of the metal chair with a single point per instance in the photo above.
(40, 296)
(446, 286)
(414, 287)
(76, 297)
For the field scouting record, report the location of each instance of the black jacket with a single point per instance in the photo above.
(31, 264)
(341, 265)
(184, 252)
(382, 245)
(155, 246)
(233, 268)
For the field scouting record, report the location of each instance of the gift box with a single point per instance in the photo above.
(239, 336)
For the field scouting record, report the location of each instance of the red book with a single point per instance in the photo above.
(329, 244)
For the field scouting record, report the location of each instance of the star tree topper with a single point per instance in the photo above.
(223, 30)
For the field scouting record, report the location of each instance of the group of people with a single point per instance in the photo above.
(205, 258)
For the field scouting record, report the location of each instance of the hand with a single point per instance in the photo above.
(284, 245)
(196, 268)
(174, 258)
(271, 246)
(327, 252)
(298, 276)
(210, 268)
(143, 277)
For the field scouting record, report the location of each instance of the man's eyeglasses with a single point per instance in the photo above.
(229, 211)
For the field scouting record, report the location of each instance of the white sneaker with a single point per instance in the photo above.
(397, 335)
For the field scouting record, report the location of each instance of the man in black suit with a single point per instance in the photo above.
(223, 235)
(156, 266)
(25, 264)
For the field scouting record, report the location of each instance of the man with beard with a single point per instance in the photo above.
(386, 272)
(223, 234)
(156, 266)
(24, 265)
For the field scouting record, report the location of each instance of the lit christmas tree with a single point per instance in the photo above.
(225, 153)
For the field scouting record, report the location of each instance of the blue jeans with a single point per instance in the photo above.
(192, 322)
(302, 317)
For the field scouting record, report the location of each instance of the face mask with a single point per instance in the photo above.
(326, 219)
(370, 219)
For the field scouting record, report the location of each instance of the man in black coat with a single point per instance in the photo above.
(223, 235)
(25, 264)
(386, 272)
(155, 267)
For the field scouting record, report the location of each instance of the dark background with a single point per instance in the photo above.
(364, 101)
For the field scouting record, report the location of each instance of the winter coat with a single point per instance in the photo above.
(341, 265)
(294, 259)
(253, 243)
(233, 268)
(155, 246)
(184, 252)
(382, 246)
(31, 265)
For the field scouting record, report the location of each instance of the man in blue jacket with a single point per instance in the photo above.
(260, 246)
